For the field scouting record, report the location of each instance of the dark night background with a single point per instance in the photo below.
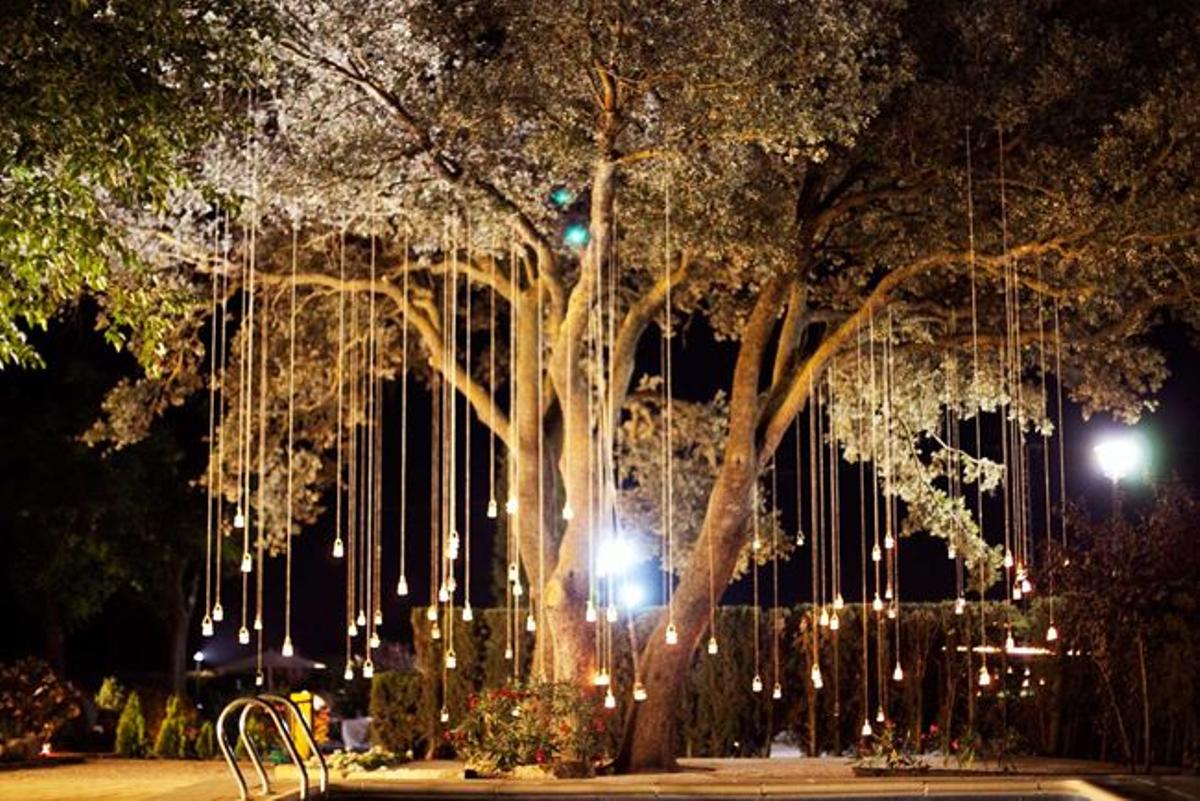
(126, 638)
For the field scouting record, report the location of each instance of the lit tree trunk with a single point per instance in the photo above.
(179, 621)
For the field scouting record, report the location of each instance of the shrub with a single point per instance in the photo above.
(171, 740)
(131, 729)
(206, 741)
(34, 705)
(396, 713)
(557, 725)
(111, 695)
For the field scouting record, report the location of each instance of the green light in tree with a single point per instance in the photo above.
(576, 235)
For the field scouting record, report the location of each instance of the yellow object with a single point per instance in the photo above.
(304, 702)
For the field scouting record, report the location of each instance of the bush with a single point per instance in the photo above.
(34, 705)
(131, 729)
(111, 695)
(171, 741)
(206, 741)
(556, 725)
(396, 713)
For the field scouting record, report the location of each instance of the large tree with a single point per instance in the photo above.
(814, 155)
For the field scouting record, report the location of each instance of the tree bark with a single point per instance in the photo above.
(179, 621)
(1146, 750)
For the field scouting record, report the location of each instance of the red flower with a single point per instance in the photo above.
(933, 728)
(539, 756)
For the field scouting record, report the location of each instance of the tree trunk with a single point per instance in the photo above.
(179, 621)
(1146, 750)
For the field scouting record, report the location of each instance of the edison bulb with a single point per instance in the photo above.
(339, 548)
(985, 677)
(839, 602)
(218, 612)
(351, 630)
(1016, 593)
(891, 612)
(777, 691)
(373, 641)
(877, 603)
(799, 539)
(866, 730)
(1051, 633)
(887, 592)
(431, 613)
(639, 692)
(348, 673)
(377, 617)
(672, 634)
(611, 613)
(530, 623)
(514, 572)
(516, 711)
(834, 622)
(467, 614)
(492, 509)
(589, 613)
(402, 587)
(247, 562)
(1026, 586)
(443, 594)
(239, 519)
(889, 542)
(444, 715)
(713, 648)
(879, 716)
(951, 552)
(1008, 559)
(451, 660)
(815, 676)
(368, 669)
(361, 620)
(756, 544)
(258, 679)
(508, 653)
(258, 621)
(287, 649)
(823, 620)
(876, 553)
(610, 700)
(435, 633)
(898, 673)
(510, 505)
(756, 685)
(1009, 642)
(206, 627)
(568, 512)
(518, 590)
(960, 605)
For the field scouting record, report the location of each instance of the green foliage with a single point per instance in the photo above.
(347, 762)
(890, 751)
(131, 729)
(541, 724)
(111, 695)
(206, 741)
(34, 705)
(171, 740)
(396, 712)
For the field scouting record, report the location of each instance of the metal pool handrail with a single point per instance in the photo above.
(308, 736)
(247, 703)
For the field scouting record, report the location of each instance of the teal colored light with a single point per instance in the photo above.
(576, 235)
(562, 197)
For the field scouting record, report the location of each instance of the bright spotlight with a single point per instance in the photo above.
(615, 556)
(632, 595)
(198, 656)
(1120, 456)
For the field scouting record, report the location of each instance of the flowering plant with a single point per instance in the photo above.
(557, 725)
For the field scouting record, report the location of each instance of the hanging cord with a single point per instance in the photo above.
(670, 434)
(339, 547)
(776, 690)
(402, 582)
(260, 545)
(467, 613)
(291, 445)
(206, 629)
(898, 673)
(981, 567)
(863, 410)
(814, 469)
(755, 545)
(218, 611)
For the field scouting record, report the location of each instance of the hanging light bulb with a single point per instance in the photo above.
(435, 633)
(756, 544)
(823, 619)
(514, 573)
(960, 605)
(1008, 559)
(368, 670)
(361, 620)
(451, 584)
(877, 603)
(1028, 672)
(348, 673)
(611, 613)
(639, 692)
(247, 562)
(339, 548)
(444, 715)
(530, 623)
(508, 653)
(451, 660)
(1026, 585)
(287, 649)
(1016, 592)
(467, 613)
(799, 539)
(600, 678)
(206, 627)
(351, 630)
(756, 685)
(834, 623)
(713, 648)
(1009, 642)
(866, 730)
(898, 672)
(518, 590)
(891, 612)
(777, 691)
(258, 679)
(431, 613)
(1051, 633)
(373, 642)
(377, 617)
(239, 519)
(610, 700)
(887, 592)
(402, 587)
(454, 541)
(492, 509)
(879, 716)
(258, 621)
(672, 634)
(516, 711)
(839, 602)
(589, 613)
(218, 612)
(568, 512)
(889, 542)
(985, 677)
(443, 594)
(952, 552)
(510, 505)
(876, 553)
(815, 675)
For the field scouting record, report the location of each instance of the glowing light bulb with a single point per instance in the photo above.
(639, 692)
(960, 605)
(361, 620)
(339, 548)
(799, 539)
(823, 620)
(510, 506)
(777, 691)
(443, 594)
(589, 613)
(713, 648)
(756, 544)
(351, 630)
(451, 660)
(368, 669)
(402, 587)
(435, 633)
(877, 603)
(1016, 593)
(258, 622)
(879, 716)
(493, 509)
(377, 617)
(1009, 642)
(286, 649)
(876, 553)
(576, 235)
(1026, 586)
(985, 677)
(218, 613)
(672, 634)
(530, 623)
(444, 715)
(599, 678)
(568, 512)
(239, 519)
(898, 673)
(467, 613)
(258, 679)
(951, 552)
(514, 573)
(247, 562)
(815, 676)
(889, 542)
(610, 700)
(891, 612)
(373, 641)
(508, 652)
(611, 613)
(1051, 633)
(516, 712)
(1008, 559)
(431, 613)
(206, 627)
(348, 673)
(839, 602)
(834, 622)
(518, 590)
(866, 730)
(756, 684)
(887, 592)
